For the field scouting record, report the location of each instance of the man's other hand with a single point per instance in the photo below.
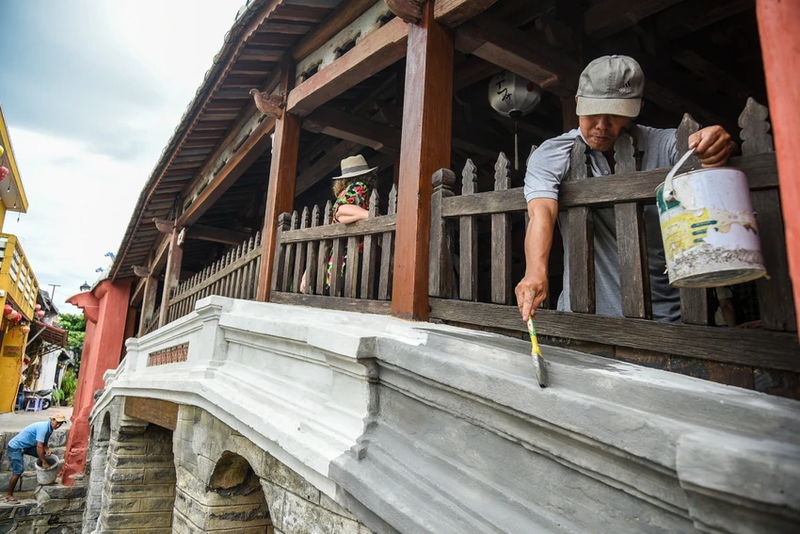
(531, 291)
(713, 146)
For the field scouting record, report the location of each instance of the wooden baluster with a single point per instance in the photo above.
(280, 252)
(336, 269)
(387, 252)
(580, 235)
(324, 252)
(288, 266)
(775, 302)
(312, 249)
(468, 238)
(634, 271)
(300, 255)
(694, 302)
(370, 256)
(501, 239)
(248, 246)
(255, 267)
(236, 275)
(351, 267)
(440, 273)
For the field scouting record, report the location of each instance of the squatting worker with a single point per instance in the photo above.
(609, 97)
(33, 442)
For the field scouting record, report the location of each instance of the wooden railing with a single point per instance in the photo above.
(151, 323)
(235, 275)
(306, 246)
(455, 228)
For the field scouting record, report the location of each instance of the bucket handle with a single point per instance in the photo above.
(669, 191)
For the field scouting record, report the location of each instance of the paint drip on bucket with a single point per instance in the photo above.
(708, 227)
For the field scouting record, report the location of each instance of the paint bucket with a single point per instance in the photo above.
(47, 475)
(708, 227)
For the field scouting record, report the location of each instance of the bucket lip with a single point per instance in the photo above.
(696, 171)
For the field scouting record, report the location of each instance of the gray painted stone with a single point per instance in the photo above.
(424, 428)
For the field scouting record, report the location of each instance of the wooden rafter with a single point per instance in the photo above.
(348, 127)
(216, 235)
(611, 16)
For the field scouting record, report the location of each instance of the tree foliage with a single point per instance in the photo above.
(75, 325)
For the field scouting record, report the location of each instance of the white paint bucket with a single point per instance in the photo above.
(708, 227)
(47, 475)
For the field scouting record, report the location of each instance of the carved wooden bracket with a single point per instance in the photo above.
(164, 226)
(141, 271)
(269, 104)
(408, 10)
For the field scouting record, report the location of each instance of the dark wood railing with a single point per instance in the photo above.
(455, 227)
(305, 246)
(235, 275)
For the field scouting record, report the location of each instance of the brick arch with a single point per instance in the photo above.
(232, 500)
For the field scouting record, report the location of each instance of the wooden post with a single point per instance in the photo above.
(148, 302)
(280, 190)
(425, 148)
(780, 44)
(172, 275)
(440, 275)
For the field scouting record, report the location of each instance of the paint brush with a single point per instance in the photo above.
(536, 353)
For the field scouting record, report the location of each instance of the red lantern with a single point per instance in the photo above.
(38, 307)
(18, 318)
(7, 309)
(40, 314)
(3, 173)
(12, 314)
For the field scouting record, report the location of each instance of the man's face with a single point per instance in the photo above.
(601, 131)
(55, 425)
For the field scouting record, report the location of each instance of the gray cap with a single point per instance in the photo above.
(611, 85)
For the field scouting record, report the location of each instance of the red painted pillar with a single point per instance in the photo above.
(780, 47)
(106, 311)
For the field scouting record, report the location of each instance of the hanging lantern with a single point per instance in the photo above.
(24, 329)
(513, 96)
(38, 307)
(12, 314)
(7, 309)
(18, 318)
(40, 313)
(3, 173)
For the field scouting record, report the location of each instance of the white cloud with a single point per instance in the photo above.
(81, 195)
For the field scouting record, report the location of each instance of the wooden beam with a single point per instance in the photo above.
(160, 255)
(689, 17)
(611, 16)
(377, 51)
(348, 127)
(453, 13)
(426, 145)
(257, 143)
(344, 15)
(216, 235)
(148, 302)
(512, 49)
(172, 275)
(281, 186)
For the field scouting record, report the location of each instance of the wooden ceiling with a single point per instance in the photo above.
(699, 56)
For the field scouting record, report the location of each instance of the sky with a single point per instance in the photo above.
(92, 91)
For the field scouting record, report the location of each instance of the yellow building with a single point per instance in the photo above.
(18, 285)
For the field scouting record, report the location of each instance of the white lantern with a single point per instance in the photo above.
(513, 96)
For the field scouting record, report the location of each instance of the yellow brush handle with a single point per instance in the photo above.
(534, 341)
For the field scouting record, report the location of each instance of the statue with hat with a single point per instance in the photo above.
(352, 189)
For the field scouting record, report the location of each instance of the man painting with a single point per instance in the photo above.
(33, 442)
(609, 97)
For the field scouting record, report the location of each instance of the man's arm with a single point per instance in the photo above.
(532, 289)
(40, 451)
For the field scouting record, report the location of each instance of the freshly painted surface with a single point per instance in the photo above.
(425, 428)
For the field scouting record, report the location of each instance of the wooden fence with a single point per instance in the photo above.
(455, 228)
(306, 246)
(235, 275)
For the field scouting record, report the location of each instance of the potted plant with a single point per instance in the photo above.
(58, 397)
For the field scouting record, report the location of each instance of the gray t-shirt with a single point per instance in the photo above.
(550, 164)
